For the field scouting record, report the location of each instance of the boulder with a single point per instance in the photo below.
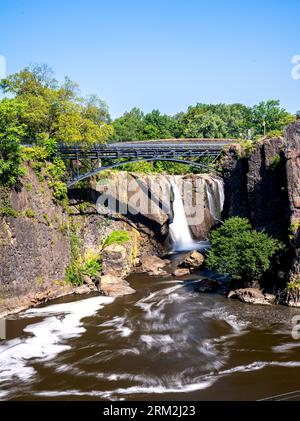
(114, 286)
(115, 260)
(206, 285)
(82, 289)
(87, 280)
(154, 265)
(181, 272)
(193, 260)
(252, 296)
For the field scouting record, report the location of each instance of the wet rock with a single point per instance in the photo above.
(252, 296)
(193, 260)
(181, 272)
(206, 285)
(153, 265)
(83, 289)
(114, 286)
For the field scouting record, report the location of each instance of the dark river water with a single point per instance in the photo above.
(164, 342)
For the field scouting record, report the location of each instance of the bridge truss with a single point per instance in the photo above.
(85, 162)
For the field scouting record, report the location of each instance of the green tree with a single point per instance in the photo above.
(129, 126)
(275, 117)
(11, 131)
(241, 252)
(166, 126)
(53, 111)
(207, 125)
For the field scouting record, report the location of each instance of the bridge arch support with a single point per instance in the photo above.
(97, 170)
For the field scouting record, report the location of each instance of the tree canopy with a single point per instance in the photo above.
(37, 108)
(49, 110)
(204, 121)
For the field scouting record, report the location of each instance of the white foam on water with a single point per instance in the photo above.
(221, 314)
(259, 365)
(118, 326)
(166, 385)
(133, 390)
(62, 322)
(286, 347)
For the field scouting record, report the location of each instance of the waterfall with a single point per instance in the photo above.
(179, 228)
(214, 188)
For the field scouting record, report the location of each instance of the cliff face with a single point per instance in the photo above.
(36, 243)
(147, 200)
(292, 138)
(264, 186)
(256, 187)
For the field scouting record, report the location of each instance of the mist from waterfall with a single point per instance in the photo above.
(179, 228)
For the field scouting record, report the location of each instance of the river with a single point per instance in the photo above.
(164, 342)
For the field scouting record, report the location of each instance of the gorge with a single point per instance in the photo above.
(143, 345)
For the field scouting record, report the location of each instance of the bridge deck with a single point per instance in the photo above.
(146, 149)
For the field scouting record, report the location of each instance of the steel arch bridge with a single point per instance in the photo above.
(182, 151)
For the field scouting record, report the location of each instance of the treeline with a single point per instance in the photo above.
(37, 108)
(204, 120)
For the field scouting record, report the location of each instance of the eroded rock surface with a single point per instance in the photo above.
(193, 260)
(252, 296)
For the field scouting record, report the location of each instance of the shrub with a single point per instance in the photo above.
(117, 237)
(89, 266)
(275, 161)
(60, 192)
(10, 161)
(248, 147)
(6, 209)
(293, 285)
(56, 170)
(29, 213)
(241, 252)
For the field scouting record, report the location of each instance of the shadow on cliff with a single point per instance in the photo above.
(144, 223)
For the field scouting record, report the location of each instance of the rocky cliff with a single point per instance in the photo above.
(36, 238)
(263, 184)
(292, 139)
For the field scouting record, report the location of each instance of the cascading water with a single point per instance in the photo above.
(214, 188)
(179, 228)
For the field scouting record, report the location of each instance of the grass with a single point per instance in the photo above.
(117, 237)
(29, 213)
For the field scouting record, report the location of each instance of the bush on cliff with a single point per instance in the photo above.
(117, 237)
(241, 252)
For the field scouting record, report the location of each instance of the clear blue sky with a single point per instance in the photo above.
(164, 54)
